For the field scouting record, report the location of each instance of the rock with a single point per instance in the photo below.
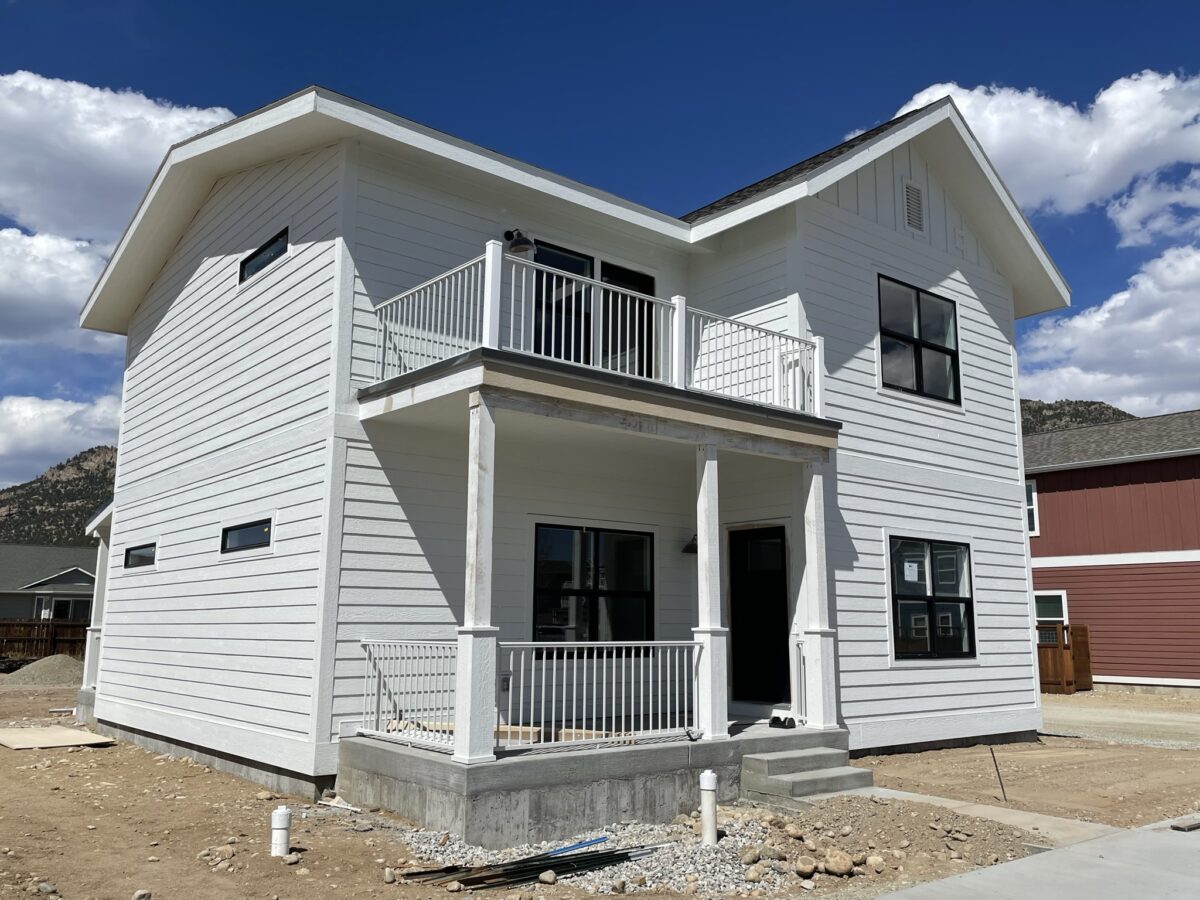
(547, 877)
(389, 875)
(264, 795)
(807, 884)
(681, 820)
(858, 870)
(141, 894)
(753, 875)
(692, 877)
(638, 880)
(805, 866)
(618, 886)
(904, 845)
(151, 859)
(794, 831)
(223, 866)
(454, 887)
(860, 859)
(291, 859)
(750, 857)
(838, 862)
(47, 887)
(810, 845)
(444, 839)
(691, 889)
(362, 826)
(875, 862)
(845, 832)
(302, 871)
(766, 851)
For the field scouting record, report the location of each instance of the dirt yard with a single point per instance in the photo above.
(1123, 785)
(106, 822)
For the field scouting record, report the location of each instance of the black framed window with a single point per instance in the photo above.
(263, 256)
(143, 555)
(932, 603)
(592, 584)
(246, 537)
(918, 341)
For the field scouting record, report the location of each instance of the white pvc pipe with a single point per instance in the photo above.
(708, 807)
(281, 831)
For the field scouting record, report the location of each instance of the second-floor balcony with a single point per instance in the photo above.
(505, 302)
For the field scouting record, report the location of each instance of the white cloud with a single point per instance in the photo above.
(36, 433)
(1139, 349)
(75, 159)
(1056, 157)
(43, 280)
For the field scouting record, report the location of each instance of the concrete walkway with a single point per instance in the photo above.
(1149, 862)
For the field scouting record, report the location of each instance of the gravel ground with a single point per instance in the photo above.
(1150, 720)
(53, 670)
(882, 844)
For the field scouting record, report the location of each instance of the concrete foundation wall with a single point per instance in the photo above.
(536, 797)
(279, 780)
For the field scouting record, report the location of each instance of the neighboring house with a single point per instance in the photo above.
(423, 445)
(1114, 522)
(41, 582)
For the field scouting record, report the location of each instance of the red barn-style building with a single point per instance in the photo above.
(1114, 522)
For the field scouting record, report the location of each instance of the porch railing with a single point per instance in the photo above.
(505, 302)
(408, 691)
(554, 694)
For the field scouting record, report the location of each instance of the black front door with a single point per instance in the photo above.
(758, 615)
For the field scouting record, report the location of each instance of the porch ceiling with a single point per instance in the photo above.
(435, 398)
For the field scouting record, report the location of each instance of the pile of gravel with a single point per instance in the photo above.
(53, 670)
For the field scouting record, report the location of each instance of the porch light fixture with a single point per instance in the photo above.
(517, 242)
(690, 546)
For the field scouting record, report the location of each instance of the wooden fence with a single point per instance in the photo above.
(1064, 658)
(36, 638)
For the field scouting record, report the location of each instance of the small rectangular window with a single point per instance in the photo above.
(245, 537)
(1031, 508)
(1051, 607)
(263, 256)
(142, 555)
(931, 583)
(918, 341)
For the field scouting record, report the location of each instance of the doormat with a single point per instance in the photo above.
(45, 737)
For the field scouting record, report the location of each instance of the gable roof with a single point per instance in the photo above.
(797, 171)
(1156, 437)
(23, 566)
(316, 117)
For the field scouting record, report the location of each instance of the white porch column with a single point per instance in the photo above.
(820, 640)
(475, 676)
(712, 694)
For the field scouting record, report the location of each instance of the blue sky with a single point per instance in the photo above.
(669, 104)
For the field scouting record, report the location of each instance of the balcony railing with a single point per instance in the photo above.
(557, 694)
(502, 301)
(550, 695)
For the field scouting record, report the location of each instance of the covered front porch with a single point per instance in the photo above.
(641, 566)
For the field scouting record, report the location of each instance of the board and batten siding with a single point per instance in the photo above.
(917, 467)
(225, 420)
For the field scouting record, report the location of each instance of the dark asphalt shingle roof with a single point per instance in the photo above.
(1158, 435)
(800, 169)
(22, 564)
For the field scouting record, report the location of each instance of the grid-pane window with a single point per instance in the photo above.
(932, 600)
(592, 584)
(1031, 508)
(918, 341)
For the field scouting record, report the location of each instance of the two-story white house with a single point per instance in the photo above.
(511, 503)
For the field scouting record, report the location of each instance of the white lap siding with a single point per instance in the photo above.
(225, 420)
(910, 466)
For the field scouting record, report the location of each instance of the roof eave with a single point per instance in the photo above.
(1111, 461)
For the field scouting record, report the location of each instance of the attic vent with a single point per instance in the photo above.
(914, 207)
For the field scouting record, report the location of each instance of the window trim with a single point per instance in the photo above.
(146, 565)
(1031, 505)
(285, 230)
(1066, 616)
(910, 660)
(594, 527)
(259, 548)
(918, 344)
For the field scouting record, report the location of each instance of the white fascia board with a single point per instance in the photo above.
(41, 581)
(99, 519)
(1112, 461)
(1145, 558)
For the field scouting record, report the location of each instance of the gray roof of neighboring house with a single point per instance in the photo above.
(801, 168)
(1174, 434)
(24, 564)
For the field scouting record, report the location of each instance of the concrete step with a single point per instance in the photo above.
(802, 784)
(786, 762)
